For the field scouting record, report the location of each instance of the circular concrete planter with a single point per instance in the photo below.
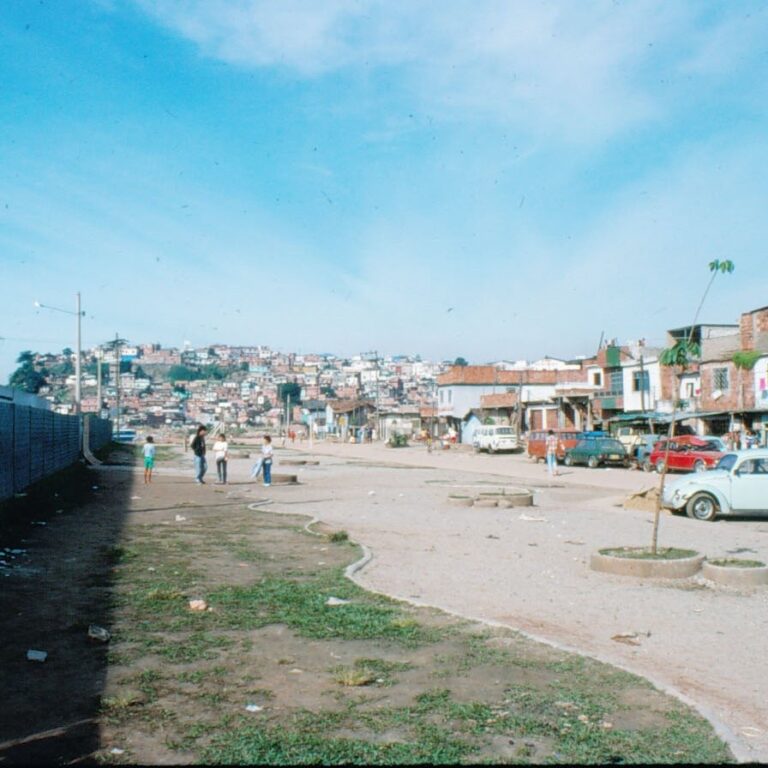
(486, 501)
(524, 499)
(518, 497)
(461, 501)
(677, 568)
(734, 575)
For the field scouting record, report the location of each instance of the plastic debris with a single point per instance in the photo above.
(94, 487)
(33, 655)
(296, 672)
(337, 601)
(751, 732)
(95, 632)
(371, 493)
(180, 518)
(135, 498)
(197, 605)
(116, 751)
(253, 708)
(531, 519)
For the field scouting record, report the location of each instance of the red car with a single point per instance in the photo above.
(687, 453)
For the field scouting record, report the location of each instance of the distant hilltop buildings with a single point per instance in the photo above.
(253, 386)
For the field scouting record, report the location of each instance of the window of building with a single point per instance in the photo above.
(441, 395)
(597, 378)
(720, 379)
(617, 382)
(450, 396)
(640, 381)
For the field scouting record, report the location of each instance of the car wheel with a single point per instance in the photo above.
(625, 463)
(699, 466)
(568, 461)
(491, 449)
(702, 506)
(660, 466)
(593, 462)
(647, 466)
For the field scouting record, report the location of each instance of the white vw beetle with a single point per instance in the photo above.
(738, 485)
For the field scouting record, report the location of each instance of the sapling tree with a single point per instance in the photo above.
(680, 356)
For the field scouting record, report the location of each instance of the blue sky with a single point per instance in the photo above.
(338, 175)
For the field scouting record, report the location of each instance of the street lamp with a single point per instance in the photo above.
(79, 313)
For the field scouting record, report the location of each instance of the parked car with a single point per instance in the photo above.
(537, 443)
(737, 486)
(596, 451)
(687, 453)
(494, 438)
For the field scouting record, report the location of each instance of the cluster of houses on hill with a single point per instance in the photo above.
(725, 390)
(368, 396)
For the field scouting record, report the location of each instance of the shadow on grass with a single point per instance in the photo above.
(63, 543)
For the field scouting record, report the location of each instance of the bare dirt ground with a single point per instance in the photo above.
(271, 673)
(703, 641)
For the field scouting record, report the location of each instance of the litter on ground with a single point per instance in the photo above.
(336, 601)
(33, 655)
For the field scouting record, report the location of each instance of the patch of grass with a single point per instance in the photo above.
(643, 553)
(369, 671)
(300, 604)
(195, 647)
(735, 562)
(270, 746)
(338, 536)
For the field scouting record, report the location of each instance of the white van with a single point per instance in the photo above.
(494, 438)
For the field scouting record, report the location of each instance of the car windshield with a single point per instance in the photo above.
(611, 445)
(727, 462)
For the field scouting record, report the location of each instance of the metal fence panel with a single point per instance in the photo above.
(21, 447)
(35, 443)
(6, 450)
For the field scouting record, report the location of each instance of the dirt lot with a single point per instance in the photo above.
(270, 672)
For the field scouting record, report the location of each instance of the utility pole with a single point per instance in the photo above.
(98, 382)
(78, 392)
(378, 415)
(519, 406)
(117, 384)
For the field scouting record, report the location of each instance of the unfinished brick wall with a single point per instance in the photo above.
(754, 330)
(740, 394)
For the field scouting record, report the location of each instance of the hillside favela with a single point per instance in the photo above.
(171, 390)
(383, 383)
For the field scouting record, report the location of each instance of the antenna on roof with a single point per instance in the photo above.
(600, 343)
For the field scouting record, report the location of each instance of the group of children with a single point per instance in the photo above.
(221, 454)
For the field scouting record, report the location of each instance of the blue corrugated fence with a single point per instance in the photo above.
(35, 443)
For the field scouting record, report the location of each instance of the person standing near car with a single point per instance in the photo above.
(553, 443)
(198, 448)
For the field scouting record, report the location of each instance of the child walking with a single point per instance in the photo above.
(149, 458)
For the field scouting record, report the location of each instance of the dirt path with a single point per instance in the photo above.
(704, 642)
(289, 662)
